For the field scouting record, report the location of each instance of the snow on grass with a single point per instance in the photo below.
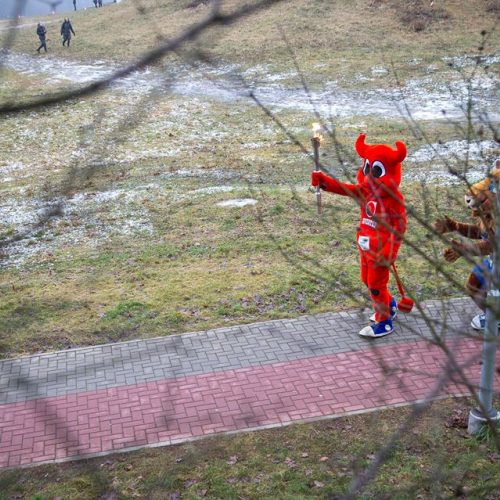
(85, 219)
(425, 99)
(187, 173)
(237, 202)
(212, 190)
(14, 166)
(467, 60)
(89, 219)
(444, 177)
(453, 150)
(451, 161)
(379, 71)
(12, 171)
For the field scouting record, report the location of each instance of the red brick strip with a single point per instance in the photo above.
(173, 410)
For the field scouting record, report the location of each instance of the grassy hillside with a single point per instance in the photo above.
(116, 222)
(328, 38)
(139, 246)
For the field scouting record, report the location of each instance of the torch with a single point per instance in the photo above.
(316, 141)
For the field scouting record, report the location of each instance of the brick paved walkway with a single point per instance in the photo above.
(116, 397)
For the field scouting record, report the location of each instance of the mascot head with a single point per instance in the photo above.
(480, 198)
(381, 169)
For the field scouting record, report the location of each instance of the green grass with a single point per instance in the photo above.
(337, 40)
(224, 268)
(141, 252)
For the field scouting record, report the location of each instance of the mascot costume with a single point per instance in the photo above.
(481, 199)
(381, 226)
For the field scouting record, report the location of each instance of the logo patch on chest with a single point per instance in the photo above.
(371, 208)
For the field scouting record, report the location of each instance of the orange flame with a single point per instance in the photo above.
(317, 131)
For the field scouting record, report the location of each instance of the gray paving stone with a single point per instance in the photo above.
(240, 346)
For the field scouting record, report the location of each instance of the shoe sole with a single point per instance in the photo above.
(375, 336)
(481, 328)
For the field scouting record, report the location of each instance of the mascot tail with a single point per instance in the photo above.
(405, 304)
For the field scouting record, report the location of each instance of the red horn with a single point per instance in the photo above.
(360, 145)
(400, 153)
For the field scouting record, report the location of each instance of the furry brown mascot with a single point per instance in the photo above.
(481, 199)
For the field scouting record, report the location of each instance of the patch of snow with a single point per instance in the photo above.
(255, 145)
(152, 153)
(237, 203)
(84, 219)
(444, 177)
(87, 219)
(470, 60)
(379, 70)
(199, 172)
(263, 72)
(453, 149)
(13, 166)
(213, 190)
(425, 99)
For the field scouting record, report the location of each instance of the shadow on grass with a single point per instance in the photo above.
(18, 318)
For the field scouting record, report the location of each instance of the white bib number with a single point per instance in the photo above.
(364, 242)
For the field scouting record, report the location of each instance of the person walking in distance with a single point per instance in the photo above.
(66, 30)
(42, 35)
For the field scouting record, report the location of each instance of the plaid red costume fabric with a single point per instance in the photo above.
(382, 222)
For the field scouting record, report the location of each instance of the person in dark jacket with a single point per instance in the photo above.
(42, 34)
(66, 30)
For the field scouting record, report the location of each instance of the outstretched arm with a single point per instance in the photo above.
(332, 185)
(447, 225)
(458, 249)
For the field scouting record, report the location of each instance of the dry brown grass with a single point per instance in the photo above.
(324, 35)
(332, 40)
(420, 16)
(493, 7)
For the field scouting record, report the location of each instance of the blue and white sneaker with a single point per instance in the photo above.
(393, 309)
(376, 330)
(478, 322)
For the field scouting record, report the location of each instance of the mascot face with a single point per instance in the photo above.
(481, 204)
(481, 197)
(381, 169)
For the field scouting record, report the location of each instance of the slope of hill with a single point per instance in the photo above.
(138, 244)
(327, 38)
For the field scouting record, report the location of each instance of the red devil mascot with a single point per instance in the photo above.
(381, 226)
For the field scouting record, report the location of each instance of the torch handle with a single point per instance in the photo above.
(315, 143)
(318, 200)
